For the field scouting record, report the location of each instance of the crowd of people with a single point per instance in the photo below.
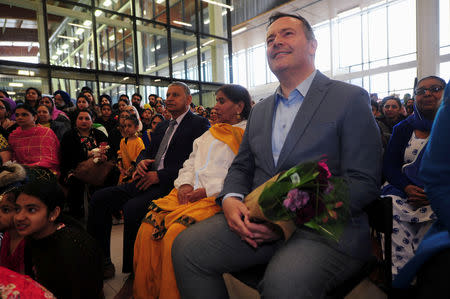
(180, 172)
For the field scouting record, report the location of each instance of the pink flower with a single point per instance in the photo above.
(323, 164)
(296, 199)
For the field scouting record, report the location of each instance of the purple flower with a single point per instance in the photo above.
(296, 199)
(329, 188)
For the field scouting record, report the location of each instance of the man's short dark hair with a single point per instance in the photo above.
(307, 29)
(136, 94)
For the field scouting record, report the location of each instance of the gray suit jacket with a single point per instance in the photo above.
(335, 120)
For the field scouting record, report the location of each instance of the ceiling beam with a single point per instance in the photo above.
(19, 35)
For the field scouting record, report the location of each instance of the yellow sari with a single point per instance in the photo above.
(153, 269)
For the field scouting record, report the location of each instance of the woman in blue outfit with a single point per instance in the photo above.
(432, 260)
(412, 213)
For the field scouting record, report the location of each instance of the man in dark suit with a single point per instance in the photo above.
(170, 147)
(309, 116)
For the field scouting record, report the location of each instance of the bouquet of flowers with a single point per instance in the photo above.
(306, 195)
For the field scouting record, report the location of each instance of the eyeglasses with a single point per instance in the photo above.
(432, 89)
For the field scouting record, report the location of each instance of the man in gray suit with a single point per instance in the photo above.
(309, 116)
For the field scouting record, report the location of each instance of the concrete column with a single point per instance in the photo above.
(427, 30)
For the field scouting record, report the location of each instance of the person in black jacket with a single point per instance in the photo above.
(76, 146)
(150, 181)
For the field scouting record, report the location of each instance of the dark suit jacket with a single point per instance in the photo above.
(334, 120)
(191, 127)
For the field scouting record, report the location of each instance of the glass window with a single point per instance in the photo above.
(152, 48)
(182, 14)
(323, 52)
(257, 62)
(213, 19)
(444, 72)
(212, 64)
(115, 43)
(153, 10)
(184, 55)
(240, 68)
(377, 37)
(402, 28)
(444, 26)
(348, 41)
(402, 81)
(20, 38)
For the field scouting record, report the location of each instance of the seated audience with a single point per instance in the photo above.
(59, 126)
(33, 97)
(160, 107)
(146, 119)
(156, 171)
(104, 99)
(56, 113)
(392, 115)
(413, 215)
(192, 199)
(5, 117)
(76, 147)
(307, 117)
(59, 254)
(81, 103)
(431, 262)
(5, 154)
(12, 243)
(146, 136)
(130, 148)
(213, 119)
(63, 101)
(136, 102)
(32, 144)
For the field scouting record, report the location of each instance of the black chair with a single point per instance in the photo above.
(380, 220)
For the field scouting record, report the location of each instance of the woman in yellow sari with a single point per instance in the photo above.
(192, 199)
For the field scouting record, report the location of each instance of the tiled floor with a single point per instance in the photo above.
(112, 286)
(237, 290)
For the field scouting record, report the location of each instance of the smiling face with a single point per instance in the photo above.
(25, 119)
(32, 217)
(288, 49)
(43, 114)
(428, 102)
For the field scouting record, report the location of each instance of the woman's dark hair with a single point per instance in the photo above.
(374, 103)
(81, 95)
(442, 81)
(124, 100)
(133, 118)
(48, 192)
(78, 111)
(158, 116)
(28, 108)
(49, 111)
(103, 105)
(104, 96)
(237, 93)
(7, 106)
(383, 102)
(35, 89)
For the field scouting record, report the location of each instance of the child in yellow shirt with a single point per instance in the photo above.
(130, 147)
